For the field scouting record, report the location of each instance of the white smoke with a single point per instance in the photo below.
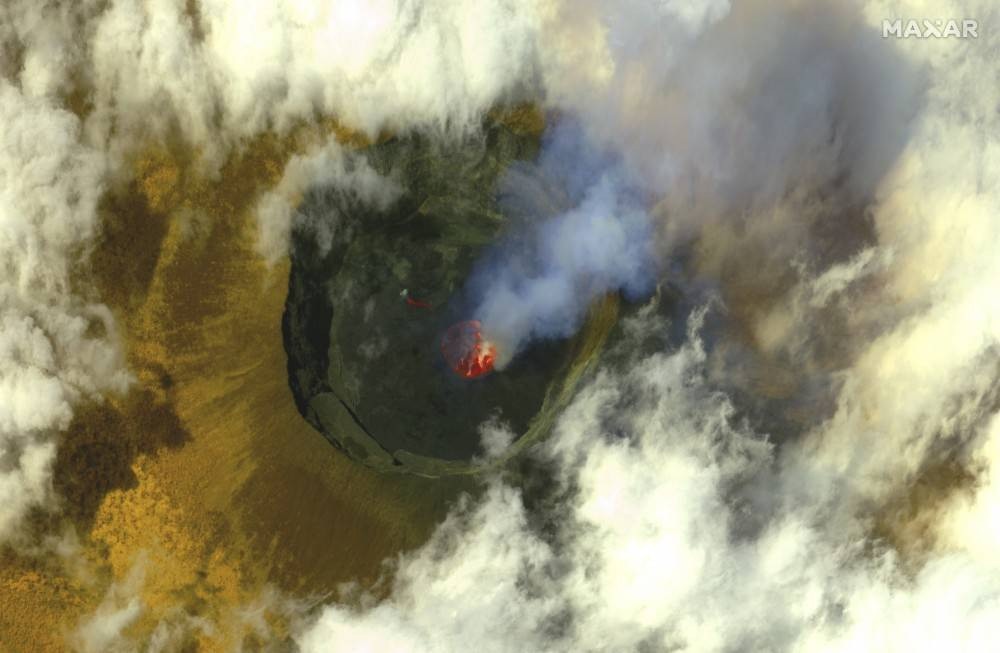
(539, 284)
(717, 119)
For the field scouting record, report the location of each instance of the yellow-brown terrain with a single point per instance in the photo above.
(203, 489)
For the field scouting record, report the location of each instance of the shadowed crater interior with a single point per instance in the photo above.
(371, 293)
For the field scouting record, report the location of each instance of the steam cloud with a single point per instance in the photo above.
(539, 284)
(838, 192)
(713, 125)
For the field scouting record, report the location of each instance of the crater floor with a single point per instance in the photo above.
(365, 316)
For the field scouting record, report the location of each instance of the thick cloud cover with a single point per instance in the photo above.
(650, 549)
(828, 196)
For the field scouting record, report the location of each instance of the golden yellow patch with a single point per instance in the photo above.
(206, 468)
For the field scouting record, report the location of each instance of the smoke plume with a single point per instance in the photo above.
(539, 283)
(718, 125)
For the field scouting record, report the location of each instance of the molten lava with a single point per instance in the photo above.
(466, 351)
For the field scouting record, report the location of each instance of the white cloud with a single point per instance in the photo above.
(324, 166)
(495, 436)
(226, 70)
(56, 348)
(121, 607)
(375, 65)
(673, 533)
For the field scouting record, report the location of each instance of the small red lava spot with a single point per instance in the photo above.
(416, 302)
(465, 350)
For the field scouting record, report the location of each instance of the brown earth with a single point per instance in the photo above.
(204, 475)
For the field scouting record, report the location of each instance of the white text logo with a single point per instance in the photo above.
(930, 29)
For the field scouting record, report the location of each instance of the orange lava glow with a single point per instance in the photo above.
(467, 353)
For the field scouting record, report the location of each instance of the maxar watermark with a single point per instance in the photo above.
(931, 29)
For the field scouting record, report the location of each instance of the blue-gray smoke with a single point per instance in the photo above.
(724, 129)
(585, 232)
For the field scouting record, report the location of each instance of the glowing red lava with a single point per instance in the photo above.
(466, 351)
